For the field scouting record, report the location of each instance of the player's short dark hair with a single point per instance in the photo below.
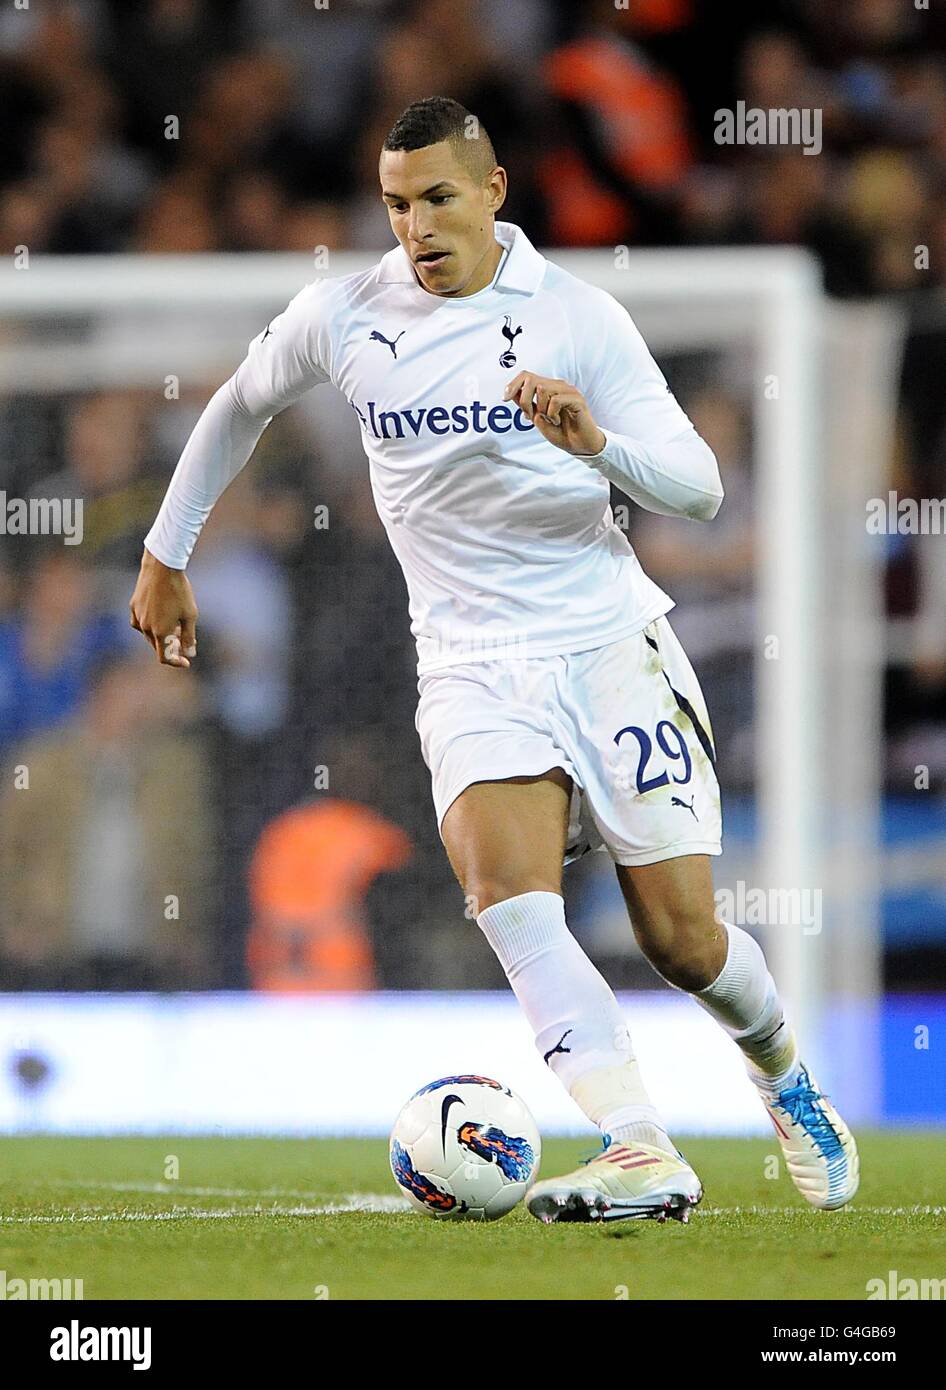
(433, 119)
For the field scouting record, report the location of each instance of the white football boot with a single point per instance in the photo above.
(623, 1181)
(819, 1149)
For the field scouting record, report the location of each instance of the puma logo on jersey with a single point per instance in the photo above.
(377, 337)
(687, 805)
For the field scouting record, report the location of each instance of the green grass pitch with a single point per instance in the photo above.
(306, 1219)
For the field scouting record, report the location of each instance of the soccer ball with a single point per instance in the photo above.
(465, 1148)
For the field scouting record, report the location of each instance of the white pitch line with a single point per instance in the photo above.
(804, 1211)
(168, 1189)
(364, 1202)
(377, 1203)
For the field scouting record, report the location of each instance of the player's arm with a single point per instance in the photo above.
(625, 424)
(282, 363)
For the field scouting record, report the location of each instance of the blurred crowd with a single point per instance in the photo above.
(231, 125)
(175, 829)
(158, 830)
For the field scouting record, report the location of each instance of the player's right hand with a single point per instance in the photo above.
(163, 610)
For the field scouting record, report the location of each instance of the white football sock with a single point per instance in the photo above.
(744, 1001)
(578, 1027)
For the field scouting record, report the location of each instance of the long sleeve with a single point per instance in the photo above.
(653, 453)
(283, 362)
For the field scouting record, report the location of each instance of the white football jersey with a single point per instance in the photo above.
(508, 543)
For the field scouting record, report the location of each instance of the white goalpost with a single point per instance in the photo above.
(821, 381)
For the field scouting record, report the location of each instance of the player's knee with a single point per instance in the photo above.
(686, 955)
(686, 974)
(485, 892)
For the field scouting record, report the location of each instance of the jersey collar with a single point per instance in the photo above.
(522, 270)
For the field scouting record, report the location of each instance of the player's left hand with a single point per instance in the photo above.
(558, 410)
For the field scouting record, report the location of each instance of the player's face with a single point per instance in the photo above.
(442, 217)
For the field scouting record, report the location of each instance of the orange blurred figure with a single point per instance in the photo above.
(308, 878)
(639, 112)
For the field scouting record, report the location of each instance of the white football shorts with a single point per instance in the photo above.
(626, 721)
